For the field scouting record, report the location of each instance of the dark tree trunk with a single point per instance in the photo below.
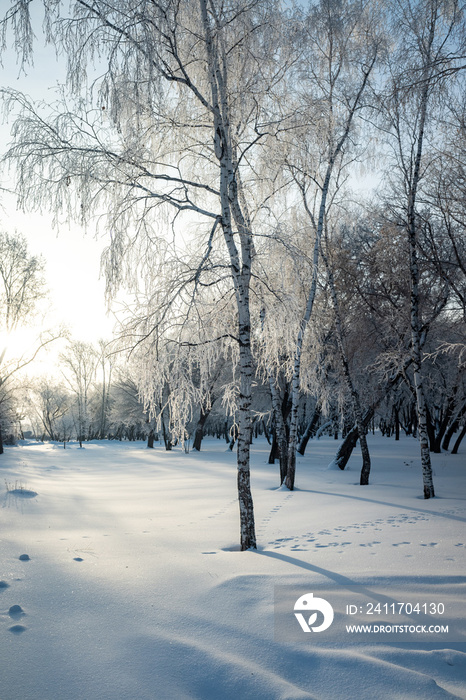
(459, 439)
(349, 443)
(283, 436)
(199, 434)
(233, 437)
(166, 437)
(449, 434)
(430, 429)
(150, 439)
(453, 427)
(310, 430)
(445, 421)
(266, 432)
(346, 448)
(396, 418)
(274, 451)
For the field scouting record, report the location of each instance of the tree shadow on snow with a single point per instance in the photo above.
(424, 511)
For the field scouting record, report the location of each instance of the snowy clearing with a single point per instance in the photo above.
(133, 585)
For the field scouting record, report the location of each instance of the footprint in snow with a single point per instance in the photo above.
(16, 611)
(17, 629)
(24, 557)
(369, 544)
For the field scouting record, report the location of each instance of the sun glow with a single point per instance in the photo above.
(75, 299)
(30, 349)
(18, 343)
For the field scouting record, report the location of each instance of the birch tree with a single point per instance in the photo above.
(441, 238)
(343, 40)
(430, 34)
(165, 130)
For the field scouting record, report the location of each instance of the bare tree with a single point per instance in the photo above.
(80, 363)
(22, 287)
(50, 403)
(104, 376)
(22, 282)
(127, 415)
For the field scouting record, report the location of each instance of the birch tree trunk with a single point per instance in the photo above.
(247, 527)
(416, 349)
(240, 265)
(295, 382)
(430, 51)
(417, 353)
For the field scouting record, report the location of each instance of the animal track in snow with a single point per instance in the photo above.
(202, 518)
(223, 510)
(276, 508)
(332, 537)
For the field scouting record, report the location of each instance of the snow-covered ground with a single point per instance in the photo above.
(135, 589)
